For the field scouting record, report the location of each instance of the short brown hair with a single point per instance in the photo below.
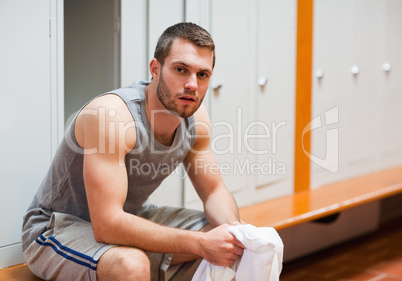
(185, 30)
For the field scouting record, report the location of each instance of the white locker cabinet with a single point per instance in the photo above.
(364, 97)
(25, 115)
(161, 15)
(390, 68)
(133, 35)
(356, 70)
(275, 97)
(346, 78)
(331, 84)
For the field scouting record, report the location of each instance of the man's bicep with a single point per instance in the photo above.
(106, 189)
(103, 165)
(105, 180)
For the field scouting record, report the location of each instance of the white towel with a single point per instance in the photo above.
(262, 257)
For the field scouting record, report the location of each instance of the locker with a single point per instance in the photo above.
(26, 132)
(390, 70)
(275, 97)
(331, 84)
(364, 95)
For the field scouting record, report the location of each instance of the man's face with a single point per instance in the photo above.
(184, 78)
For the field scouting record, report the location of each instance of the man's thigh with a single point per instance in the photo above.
(66, 251)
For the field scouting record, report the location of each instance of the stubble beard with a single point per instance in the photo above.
(166, 98)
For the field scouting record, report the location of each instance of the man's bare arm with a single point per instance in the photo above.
(219, 205)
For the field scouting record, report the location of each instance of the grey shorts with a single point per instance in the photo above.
(67, 250)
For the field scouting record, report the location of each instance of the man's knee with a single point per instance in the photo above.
(124, 263)
(134, 264)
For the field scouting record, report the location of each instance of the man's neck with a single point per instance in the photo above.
(163, 124)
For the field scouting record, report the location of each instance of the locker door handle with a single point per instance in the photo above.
(386, 66)
(319, 73)
(216, 86)
(262, 81)
(355, 69)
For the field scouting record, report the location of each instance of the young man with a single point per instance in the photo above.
(88, 220)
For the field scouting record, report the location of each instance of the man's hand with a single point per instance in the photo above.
(219, 247)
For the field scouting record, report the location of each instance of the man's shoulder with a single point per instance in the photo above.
(106, 117)
(111, 107)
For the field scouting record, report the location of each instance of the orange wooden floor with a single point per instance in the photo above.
(17, 273)
(374, 257)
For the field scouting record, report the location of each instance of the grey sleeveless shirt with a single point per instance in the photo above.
(148, 164)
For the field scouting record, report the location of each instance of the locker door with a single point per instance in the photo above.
(363, 97)
(25, 116)
(133, 56)
(162, 14)
(331, 84)
(390, 72)
(275, 95)
(231, 99)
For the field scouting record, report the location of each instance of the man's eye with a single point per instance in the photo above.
(179, 69)
(203, 75)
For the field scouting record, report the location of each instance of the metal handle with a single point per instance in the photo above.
(216, 86)
(386, 66)
(262, 81)
(319, 73)
(355, 69)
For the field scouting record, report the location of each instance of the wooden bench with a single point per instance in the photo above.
(295, 209)
(314, 204)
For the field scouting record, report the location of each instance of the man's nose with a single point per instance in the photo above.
(191, 83)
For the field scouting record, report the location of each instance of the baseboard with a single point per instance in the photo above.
(11, 255)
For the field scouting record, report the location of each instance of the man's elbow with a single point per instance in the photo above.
(101, 233)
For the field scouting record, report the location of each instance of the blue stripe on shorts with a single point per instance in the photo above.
(67, 252)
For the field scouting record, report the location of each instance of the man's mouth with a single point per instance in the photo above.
(187, 98)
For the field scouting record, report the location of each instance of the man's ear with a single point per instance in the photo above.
(154, 68)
